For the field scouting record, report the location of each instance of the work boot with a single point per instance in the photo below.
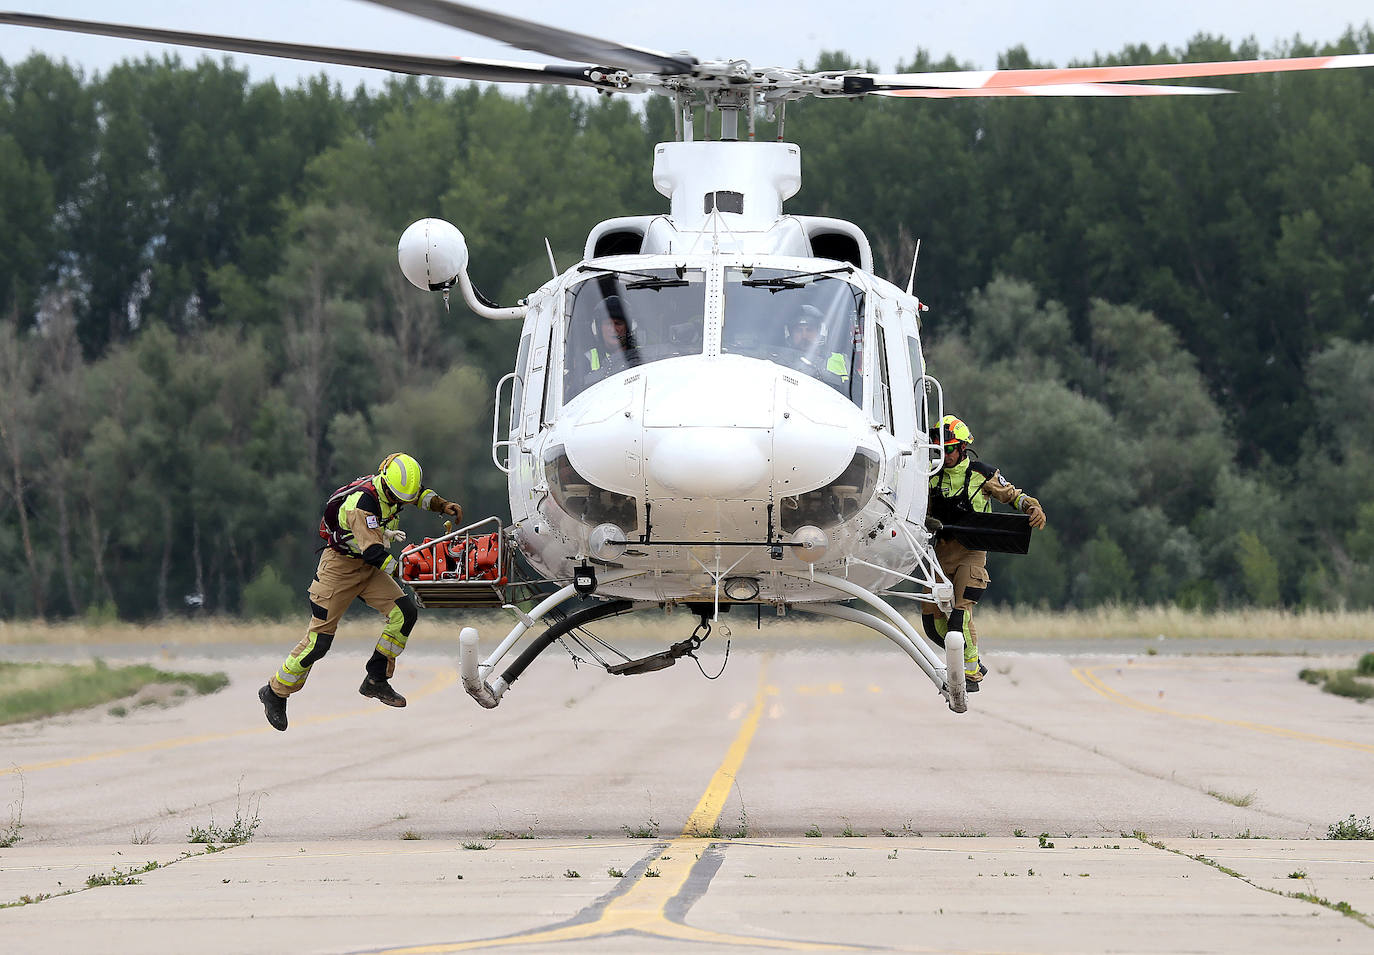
(973, 678)
(274, 706)
(379, 689)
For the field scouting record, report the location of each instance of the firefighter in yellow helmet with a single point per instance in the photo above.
(358, 527)
(963, 486)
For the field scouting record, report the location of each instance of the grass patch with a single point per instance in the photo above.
(1241, 801)
(1354, 683)
(30, 691)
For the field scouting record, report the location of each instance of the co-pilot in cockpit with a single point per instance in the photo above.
(811, 322)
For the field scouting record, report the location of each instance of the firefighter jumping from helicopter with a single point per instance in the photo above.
(358, 527)
(962, 487)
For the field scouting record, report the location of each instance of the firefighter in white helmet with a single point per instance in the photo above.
(358, 527)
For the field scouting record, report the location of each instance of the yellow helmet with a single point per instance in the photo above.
(951, 431)
(401, 477)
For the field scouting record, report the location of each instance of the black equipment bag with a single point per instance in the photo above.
(1002, 533)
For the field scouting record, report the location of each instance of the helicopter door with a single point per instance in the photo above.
(536, 384)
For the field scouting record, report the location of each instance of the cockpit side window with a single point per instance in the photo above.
(617, 320)
(807, 321)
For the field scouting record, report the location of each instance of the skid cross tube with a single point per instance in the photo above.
(542, 642)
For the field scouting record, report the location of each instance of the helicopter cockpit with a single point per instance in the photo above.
(618, 320)
(811, 322)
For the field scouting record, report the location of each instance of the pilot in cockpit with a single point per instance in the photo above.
(804, 334)
(614, 346)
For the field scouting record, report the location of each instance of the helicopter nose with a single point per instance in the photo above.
(714, 462)
(708, 434)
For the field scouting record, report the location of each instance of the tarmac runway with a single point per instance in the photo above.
(807, 800)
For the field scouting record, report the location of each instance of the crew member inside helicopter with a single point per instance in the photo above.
(614, 346)
(805, 335)
(962, 487)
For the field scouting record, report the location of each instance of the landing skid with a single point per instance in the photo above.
(946, 674)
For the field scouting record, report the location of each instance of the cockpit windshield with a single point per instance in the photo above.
(617, 320)
(809, 321)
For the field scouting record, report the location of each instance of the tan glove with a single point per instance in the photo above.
(1036, 513)
(440, 506)
(392, 537)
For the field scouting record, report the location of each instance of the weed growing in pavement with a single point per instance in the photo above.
(1297, 874)
(850, 874)
(889, 833)
(615, 873)
(239, 832)
(119, 876)
(742, 829)
(848, 832)
(1350, 828)
(814, 832)
(31, 899)
(12, 832)
(1045, 841)
(1241, 801)
(1019, 833)
(647, 830)
(712, 833)
(476, 845)
(892, 854)
(411, 835)
(652, 873)
(142, 838)
(571, 874)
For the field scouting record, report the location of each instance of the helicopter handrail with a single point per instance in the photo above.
(496, 444)
(935, 462)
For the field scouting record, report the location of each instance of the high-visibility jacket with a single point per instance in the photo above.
(355, 517)
(967, 488)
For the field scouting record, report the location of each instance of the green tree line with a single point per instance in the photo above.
(1155, 315)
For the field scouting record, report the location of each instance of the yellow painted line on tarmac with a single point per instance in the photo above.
(1090, 679)
(443, 678)
(642, 908)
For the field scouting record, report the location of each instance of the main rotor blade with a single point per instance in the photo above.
(996, 79)
(540, 38)
(1065, 89)
(492, 71)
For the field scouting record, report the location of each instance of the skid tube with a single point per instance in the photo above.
(474, 674)
(947, 674)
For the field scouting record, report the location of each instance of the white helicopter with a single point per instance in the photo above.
(721, 404)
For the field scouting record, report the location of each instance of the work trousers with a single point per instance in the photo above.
(339, 580)
(967, 570)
